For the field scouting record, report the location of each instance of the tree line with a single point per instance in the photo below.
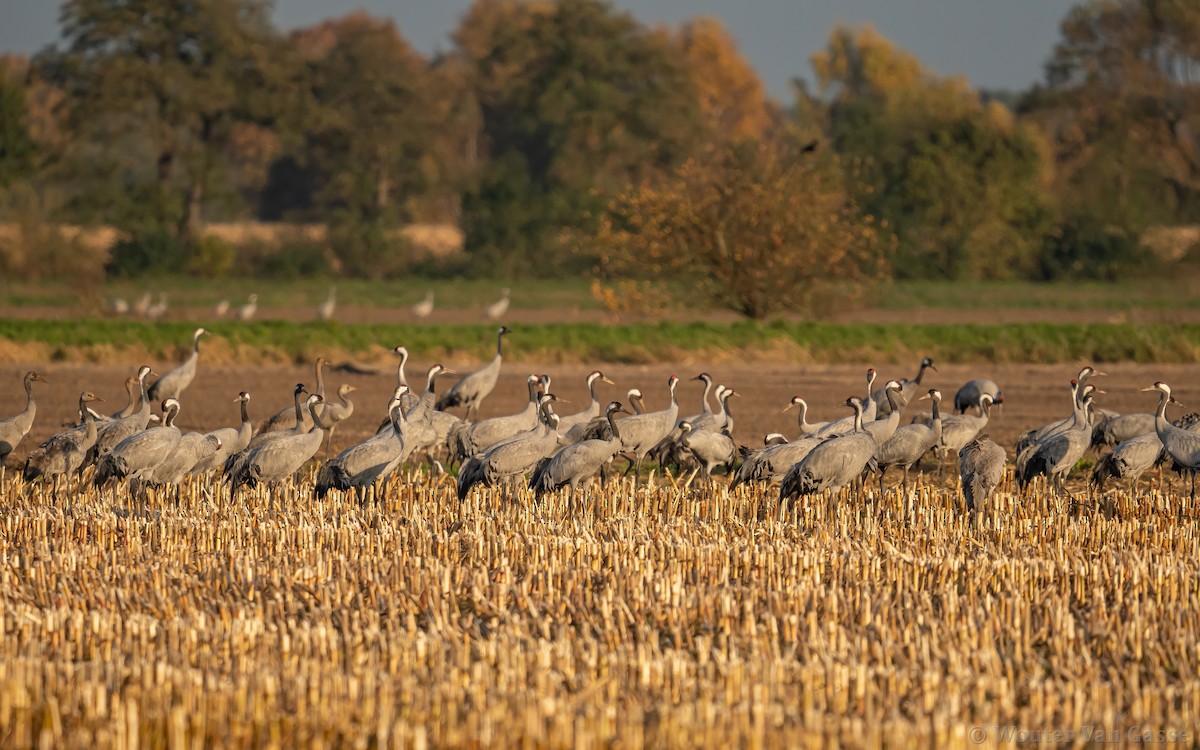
(564, 136)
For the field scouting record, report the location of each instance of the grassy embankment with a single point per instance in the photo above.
(117, 340)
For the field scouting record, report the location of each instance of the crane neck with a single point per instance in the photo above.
(245, 411)
(612, 425)
(319, 366)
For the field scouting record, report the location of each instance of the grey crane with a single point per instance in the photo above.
(14, 429)
(112, 433)
(221, 309)
(496, 310)
(246, 312)
(326, 309)
(174, 382)
(846, 424)
(1079, 389)
(425, 427)
(1181, 445)
(275, 461)
(1055, 456)
(362, 466)
(474, 438)
(909, 443)
(64, 453)
(236, 462)
(705, 407)
(159, 309)
(142, 307)
(1128, 460)
(598, 428)
(1117, 429)
(424, 308)
(575, 465)
(513, 457)
(286, 419)
(806, 427)
(233, 440)
(192, 448)
(475, 387)
(138, 455)
(980, 469)
(884, 427)
(910, 389)
(710, 449)
(574, 425)
(960, 429)
(968, 395)
(834, 463)
(133, 389)
(771, 462)
(337, 412)
(641, 433)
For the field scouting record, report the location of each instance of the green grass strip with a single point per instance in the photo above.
(661, 342)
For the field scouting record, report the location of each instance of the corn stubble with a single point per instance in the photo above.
(663, 616)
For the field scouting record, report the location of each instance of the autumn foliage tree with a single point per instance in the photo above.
(755, 227)
(963, 183)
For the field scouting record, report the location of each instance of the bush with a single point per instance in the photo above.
(367, 250)
(154, 253)
(211, 257)
(290, 259)
(1084, 248)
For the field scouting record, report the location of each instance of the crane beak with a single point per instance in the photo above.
(1151, 388)
(40, 379)
(1174, 400)
(446, 371)
(97, 398)
(352, 389)
(787, 408)
(561, 400)
(923, 398)
(604, 379)
(1100, 391)
(1098, 374)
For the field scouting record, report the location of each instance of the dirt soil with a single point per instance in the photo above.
(1034, 394)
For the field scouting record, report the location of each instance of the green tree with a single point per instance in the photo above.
(1121, 106)
(575, 101)
(164, 86)
(755, 227)
(962, 183)
(367, 132)
(17, 149)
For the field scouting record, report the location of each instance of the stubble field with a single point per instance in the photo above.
(650, 615)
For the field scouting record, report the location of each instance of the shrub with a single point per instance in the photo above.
(152, 253)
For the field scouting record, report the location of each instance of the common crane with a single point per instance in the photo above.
(475, 387)
(174, 382)
(14, 429)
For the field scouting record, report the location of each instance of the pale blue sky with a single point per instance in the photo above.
(995, 43)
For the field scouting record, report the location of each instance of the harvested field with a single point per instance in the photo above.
(659, 615)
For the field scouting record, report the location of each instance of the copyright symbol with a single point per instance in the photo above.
(977, 735)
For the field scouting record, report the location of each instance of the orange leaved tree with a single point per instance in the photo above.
(759, 228)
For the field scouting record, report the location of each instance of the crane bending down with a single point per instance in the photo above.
(981, 467)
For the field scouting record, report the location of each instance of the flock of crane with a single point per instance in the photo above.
(549, 451)
(149, 308)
